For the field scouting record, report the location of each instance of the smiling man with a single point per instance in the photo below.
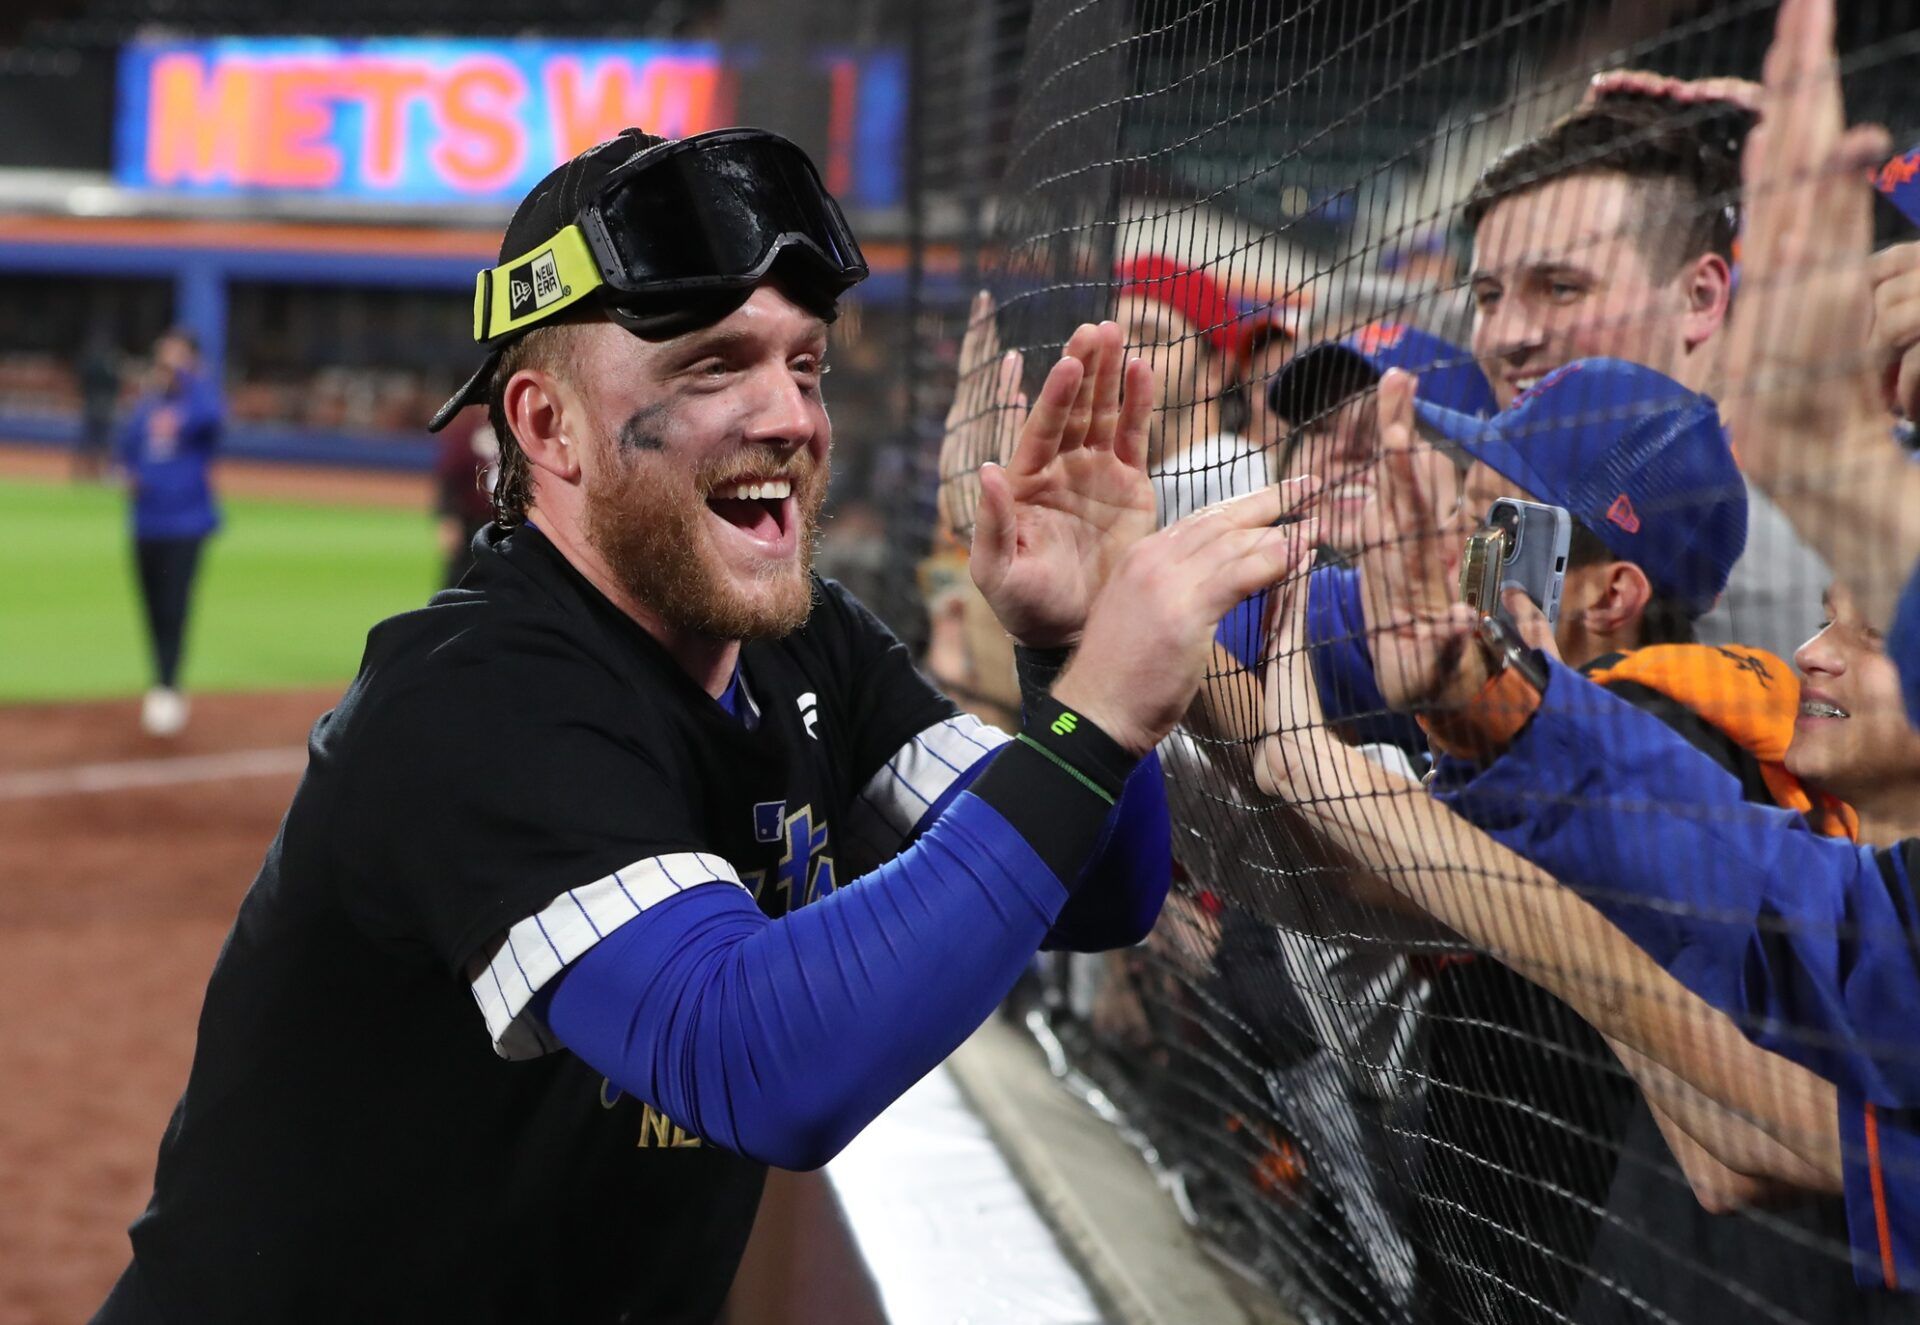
(1611, 235)
(645, 859)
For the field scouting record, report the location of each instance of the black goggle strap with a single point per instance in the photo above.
(534, 286)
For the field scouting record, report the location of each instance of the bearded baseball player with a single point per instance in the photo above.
(645, 859)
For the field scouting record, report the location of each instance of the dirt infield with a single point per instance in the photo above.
(122, 859)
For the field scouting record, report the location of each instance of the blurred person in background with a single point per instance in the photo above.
(466, 467)
(99, 377)
(1612, 235)
(1267, 336)
(1422, 258)
(1325, 395)
(166, 448)
(1181, 322)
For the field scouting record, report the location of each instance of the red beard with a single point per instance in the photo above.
(647, 519)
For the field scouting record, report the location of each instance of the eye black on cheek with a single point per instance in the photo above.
(643, 429)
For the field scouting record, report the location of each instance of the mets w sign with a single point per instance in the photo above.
(429, 121)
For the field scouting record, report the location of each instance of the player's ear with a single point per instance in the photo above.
(543, 413)
(1709, 294)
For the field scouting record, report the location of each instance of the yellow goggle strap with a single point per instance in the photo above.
(534, 286)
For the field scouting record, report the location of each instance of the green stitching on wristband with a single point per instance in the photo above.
(1075, 773)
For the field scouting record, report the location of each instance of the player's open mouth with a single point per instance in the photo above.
(761, 510)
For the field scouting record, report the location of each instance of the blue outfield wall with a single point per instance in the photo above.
(200, 276)
(255, 441)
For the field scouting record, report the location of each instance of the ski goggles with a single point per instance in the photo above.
(701, 215)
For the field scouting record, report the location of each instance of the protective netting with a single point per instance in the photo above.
(1600, 1025)
(1365, 1042)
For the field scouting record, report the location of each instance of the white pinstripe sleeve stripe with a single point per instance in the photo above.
(537, 948)
(891, 804)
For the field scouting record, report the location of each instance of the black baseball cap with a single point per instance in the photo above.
(662, 236)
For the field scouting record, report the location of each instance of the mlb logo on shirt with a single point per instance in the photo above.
(769, 819)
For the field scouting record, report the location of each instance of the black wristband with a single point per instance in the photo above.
(1056, 788)
(1078, 746)
(1037, 670)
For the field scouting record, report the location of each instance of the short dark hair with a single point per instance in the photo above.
(1665, 620)
(1689, 155)
(543, 347)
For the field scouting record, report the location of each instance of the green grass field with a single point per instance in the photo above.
(285, 595)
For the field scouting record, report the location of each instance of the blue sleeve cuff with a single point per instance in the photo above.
(1343, 665)
(1880, 1176)
(780, 1039)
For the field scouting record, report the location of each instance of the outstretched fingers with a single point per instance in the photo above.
(1409, 505)
(1042, 433)
(994, 530)
(1136, 414)
(1245, 561)
(1286, 501)
(981, 344)
(1109, 367)
(1085, 345)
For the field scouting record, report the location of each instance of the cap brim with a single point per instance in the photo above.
(473, 393)
(1479, 439)
(1317, 379)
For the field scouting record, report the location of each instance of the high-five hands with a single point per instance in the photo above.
(988, 407)
(1417, 627)
(1073, 497)
(1149, 635)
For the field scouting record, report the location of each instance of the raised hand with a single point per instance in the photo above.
(1149, 634)
(1417, 627)
(985, 416)
(1073, 496)
(1797, 353)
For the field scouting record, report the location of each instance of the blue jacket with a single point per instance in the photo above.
(1806, 941)
(1342, 663)
(168, 463)
(1903, 645)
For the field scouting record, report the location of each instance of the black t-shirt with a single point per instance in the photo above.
(375, 1127)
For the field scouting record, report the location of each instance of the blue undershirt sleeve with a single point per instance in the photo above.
(1118, 896)
(781, 1039)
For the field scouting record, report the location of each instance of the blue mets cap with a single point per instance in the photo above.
(1634, 456)
(1322, 376)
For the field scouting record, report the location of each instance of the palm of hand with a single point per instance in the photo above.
(1414, 625)
(1073, 520)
